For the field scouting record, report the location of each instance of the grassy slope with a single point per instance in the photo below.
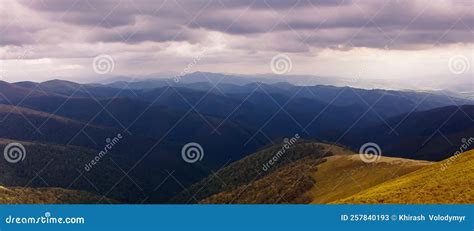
(286, 183)
(430, 185)
(20, 195)
(343, 176)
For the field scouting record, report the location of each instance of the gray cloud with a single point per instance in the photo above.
(167, 34)
(357, 23)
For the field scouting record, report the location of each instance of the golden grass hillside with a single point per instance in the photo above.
(318, 179)
(225, 186)
(343, 176)
(20, 195)
(448, 182)
(286, 183)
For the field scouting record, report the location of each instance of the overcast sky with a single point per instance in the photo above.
(83, 39)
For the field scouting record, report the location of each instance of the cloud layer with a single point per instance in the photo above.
(66, 31)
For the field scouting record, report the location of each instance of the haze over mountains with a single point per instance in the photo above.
(459, 86)
(64, 125)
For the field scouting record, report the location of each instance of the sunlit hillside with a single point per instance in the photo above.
(286, 182)
(448, 182)
(316, 178)
(343, 176)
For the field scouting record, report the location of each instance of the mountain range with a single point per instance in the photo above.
(239, 122)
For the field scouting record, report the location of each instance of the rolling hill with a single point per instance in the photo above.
(62, 166)
(31, 125)
(287, 184)
(11, 93)
(446, 182)
(343, 176)
(426, 135)
(74, 90)
(250, 169)
(238, 122)
(258, 113)
(328, 173)
(21, 195)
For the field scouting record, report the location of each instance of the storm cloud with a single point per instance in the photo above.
(132, 28)
(356, 23)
